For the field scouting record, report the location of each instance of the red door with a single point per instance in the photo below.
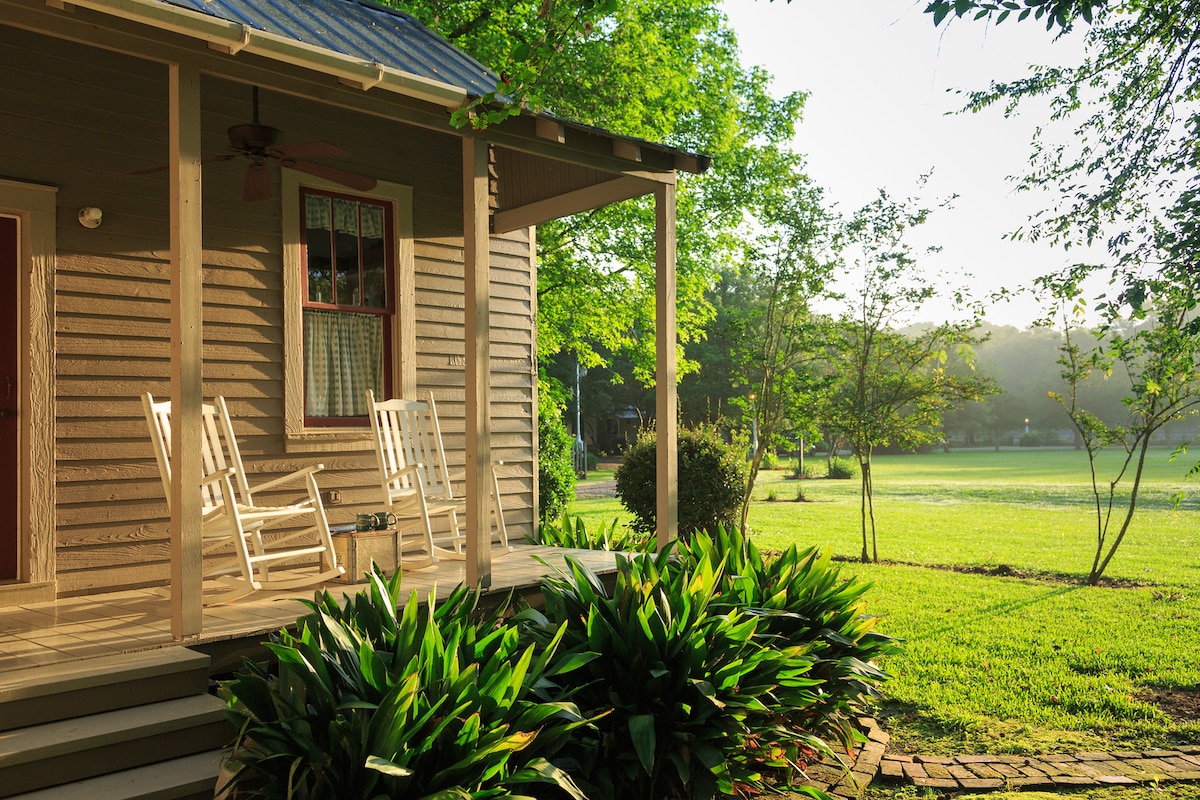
(10, 250)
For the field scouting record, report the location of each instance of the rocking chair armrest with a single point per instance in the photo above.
(291, 476)
(219, 475)
(411, 469)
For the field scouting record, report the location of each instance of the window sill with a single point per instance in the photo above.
(341, 440)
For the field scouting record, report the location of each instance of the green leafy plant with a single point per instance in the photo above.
(712, 480)
(842, 469)
(556, 466)
(573, 532)
(377, 699)
(804, 603)
(681, 691)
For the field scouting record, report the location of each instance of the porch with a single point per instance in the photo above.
(76, 628)
(193, 287)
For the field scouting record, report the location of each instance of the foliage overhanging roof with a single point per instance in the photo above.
(376, 34)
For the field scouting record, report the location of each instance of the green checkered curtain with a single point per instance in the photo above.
(343, 357)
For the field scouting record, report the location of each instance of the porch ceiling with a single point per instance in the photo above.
(533, 187)
(543, 166)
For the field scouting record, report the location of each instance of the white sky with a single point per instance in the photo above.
(878, 73)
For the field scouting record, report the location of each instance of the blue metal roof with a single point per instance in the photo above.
(359, 29)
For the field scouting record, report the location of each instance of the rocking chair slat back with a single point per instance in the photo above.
(414, 476)
(231, 523)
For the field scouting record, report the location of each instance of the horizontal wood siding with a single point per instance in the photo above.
(440, 358)
(84, 119)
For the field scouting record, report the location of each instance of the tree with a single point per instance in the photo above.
(1130, 163)
(890, 387)
(1023, 364)
(1128, 176)
(1160, 361)
(525, 42)
(777, 349)
(556, 467)
(669, 72)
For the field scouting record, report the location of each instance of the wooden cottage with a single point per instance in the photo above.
(151, 247)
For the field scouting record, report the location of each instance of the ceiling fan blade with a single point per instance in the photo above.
(360, 182)
(256, 185)
(307, 150)
(165, 167)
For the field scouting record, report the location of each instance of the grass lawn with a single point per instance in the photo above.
(1032, 663)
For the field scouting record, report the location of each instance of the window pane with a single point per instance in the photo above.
(343, 357)
(345, 349)
(374, 257)
(345, 214)
(319, 246)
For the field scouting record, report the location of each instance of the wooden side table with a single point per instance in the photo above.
(357, 549)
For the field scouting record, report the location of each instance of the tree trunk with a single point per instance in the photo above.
(867, 510)
(866, 557)
(751, 479)
(869, 483)
(1098, 565)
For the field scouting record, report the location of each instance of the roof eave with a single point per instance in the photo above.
(234, 38)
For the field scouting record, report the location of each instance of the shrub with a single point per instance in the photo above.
(556, 466)
(705, 667)
(712, 479)
(682, 692)
(842, 469)
(370, 704)
(770, 460)
(811, 470)
(592, 461)
(804, 603)
(572, 532)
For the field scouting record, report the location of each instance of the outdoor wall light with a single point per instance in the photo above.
(90, 217)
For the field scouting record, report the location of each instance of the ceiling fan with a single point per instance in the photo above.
(258, 144)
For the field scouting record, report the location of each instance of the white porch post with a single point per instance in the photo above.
(186, 257)
(476, 258)
(665, 374)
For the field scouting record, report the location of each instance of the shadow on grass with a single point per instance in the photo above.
(913, 731)
(1006, 571)
(1002, 608)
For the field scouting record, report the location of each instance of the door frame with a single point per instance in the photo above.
(35, 207)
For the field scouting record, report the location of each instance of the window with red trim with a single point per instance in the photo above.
(349, 301)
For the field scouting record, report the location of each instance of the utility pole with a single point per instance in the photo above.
(754, 426)
(580, 448)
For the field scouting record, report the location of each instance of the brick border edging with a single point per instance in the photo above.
(833, 778)
(983, 772)
(976, 773)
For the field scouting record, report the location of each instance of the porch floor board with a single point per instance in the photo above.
(75, 628)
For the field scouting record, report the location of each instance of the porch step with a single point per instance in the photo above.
(128, 727)
(61, 691)
(187, 778)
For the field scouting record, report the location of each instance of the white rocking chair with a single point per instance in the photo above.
(415, 480)
(232, 522)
